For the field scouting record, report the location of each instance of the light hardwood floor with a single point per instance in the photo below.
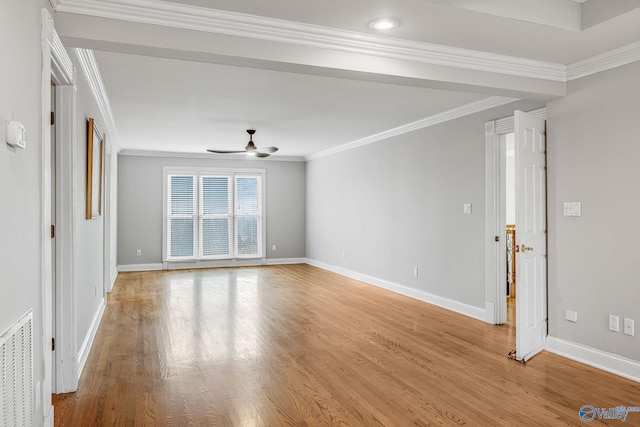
(299, 346)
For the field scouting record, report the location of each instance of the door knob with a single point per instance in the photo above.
(524, 248)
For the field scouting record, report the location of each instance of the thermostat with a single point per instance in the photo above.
(16, 134)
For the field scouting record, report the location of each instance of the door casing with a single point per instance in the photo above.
(495, 222)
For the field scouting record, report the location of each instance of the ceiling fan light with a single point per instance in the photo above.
(384, 24)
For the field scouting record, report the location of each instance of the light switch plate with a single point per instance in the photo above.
(467, 208)
(614, 323)
(572, 208)
(571, 316)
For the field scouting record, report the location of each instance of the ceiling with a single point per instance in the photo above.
(212, 105)
(188, 75)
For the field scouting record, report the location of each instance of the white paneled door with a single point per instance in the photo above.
(531, 223)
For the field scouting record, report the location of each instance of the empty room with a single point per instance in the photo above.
(390, 213)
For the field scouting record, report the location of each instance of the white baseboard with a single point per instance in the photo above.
(619, 365)
(449, 304)
(83, 353)
(284, 261)
(251, 262)
(141, 267)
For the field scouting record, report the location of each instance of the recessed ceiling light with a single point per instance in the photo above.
(384, 24)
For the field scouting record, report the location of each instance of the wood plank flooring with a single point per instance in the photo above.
(299, 346)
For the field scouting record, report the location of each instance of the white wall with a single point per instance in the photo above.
(140, 205)
(20, 174)
(593, 155)
(398, 204)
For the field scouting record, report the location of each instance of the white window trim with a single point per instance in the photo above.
(213, 261)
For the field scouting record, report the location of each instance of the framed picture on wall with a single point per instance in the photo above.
(95, 142)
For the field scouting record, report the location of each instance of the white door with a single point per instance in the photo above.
(531, 226)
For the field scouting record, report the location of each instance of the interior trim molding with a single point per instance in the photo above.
(92, 73)
(605, 61)
(618, 365)
(61, 65)
(209, 156)
(507, 124)
(445, 116)
(187, 265)
(85, 348)
(449, 304)
(257, 27)
(285, 261)
(140, 267)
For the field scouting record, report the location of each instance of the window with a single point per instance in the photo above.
(213, 214)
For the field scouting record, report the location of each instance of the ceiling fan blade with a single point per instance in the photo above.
(250, 149)
(269, 150)
(226, 152)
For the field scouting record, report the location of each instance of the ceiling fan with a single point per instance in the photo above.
(250, 149)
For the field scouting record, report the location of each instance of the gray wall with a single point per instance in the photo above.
(20, 176)
(398, 204)
(89, 233)
(593, 155)
(140, 205)
(21, 189)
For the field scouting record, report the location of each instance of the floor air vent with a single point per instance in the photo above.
(16, 373)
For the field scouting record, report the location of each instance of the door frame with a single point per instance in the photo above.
(495, 222)
(106, 225)
(58, 67)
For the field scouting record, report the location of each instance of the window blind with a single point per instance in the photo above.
(181, 216)
(213, 215)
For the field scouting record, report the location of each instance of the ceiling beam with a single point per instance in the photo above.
(299, 48)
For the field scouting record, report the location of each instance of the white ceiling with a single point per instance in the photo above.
(171, 105)
(175, 94)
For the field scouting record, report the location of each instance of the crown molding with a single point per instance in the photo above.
(91, 71)
(61, 65)
(604, 61)
(445, 116)
(250, 26)
(208, 156)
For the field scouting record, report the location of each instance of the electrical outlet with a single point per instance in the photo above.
(571, 316)
(614, 323)
(139, 252)
(628, 327)
(273, 247)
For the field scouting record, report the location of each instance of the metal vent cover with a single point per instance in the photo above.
(16, 373)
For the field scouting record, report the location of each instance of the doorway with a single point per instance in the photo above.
(507, 141)
(528, 254)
